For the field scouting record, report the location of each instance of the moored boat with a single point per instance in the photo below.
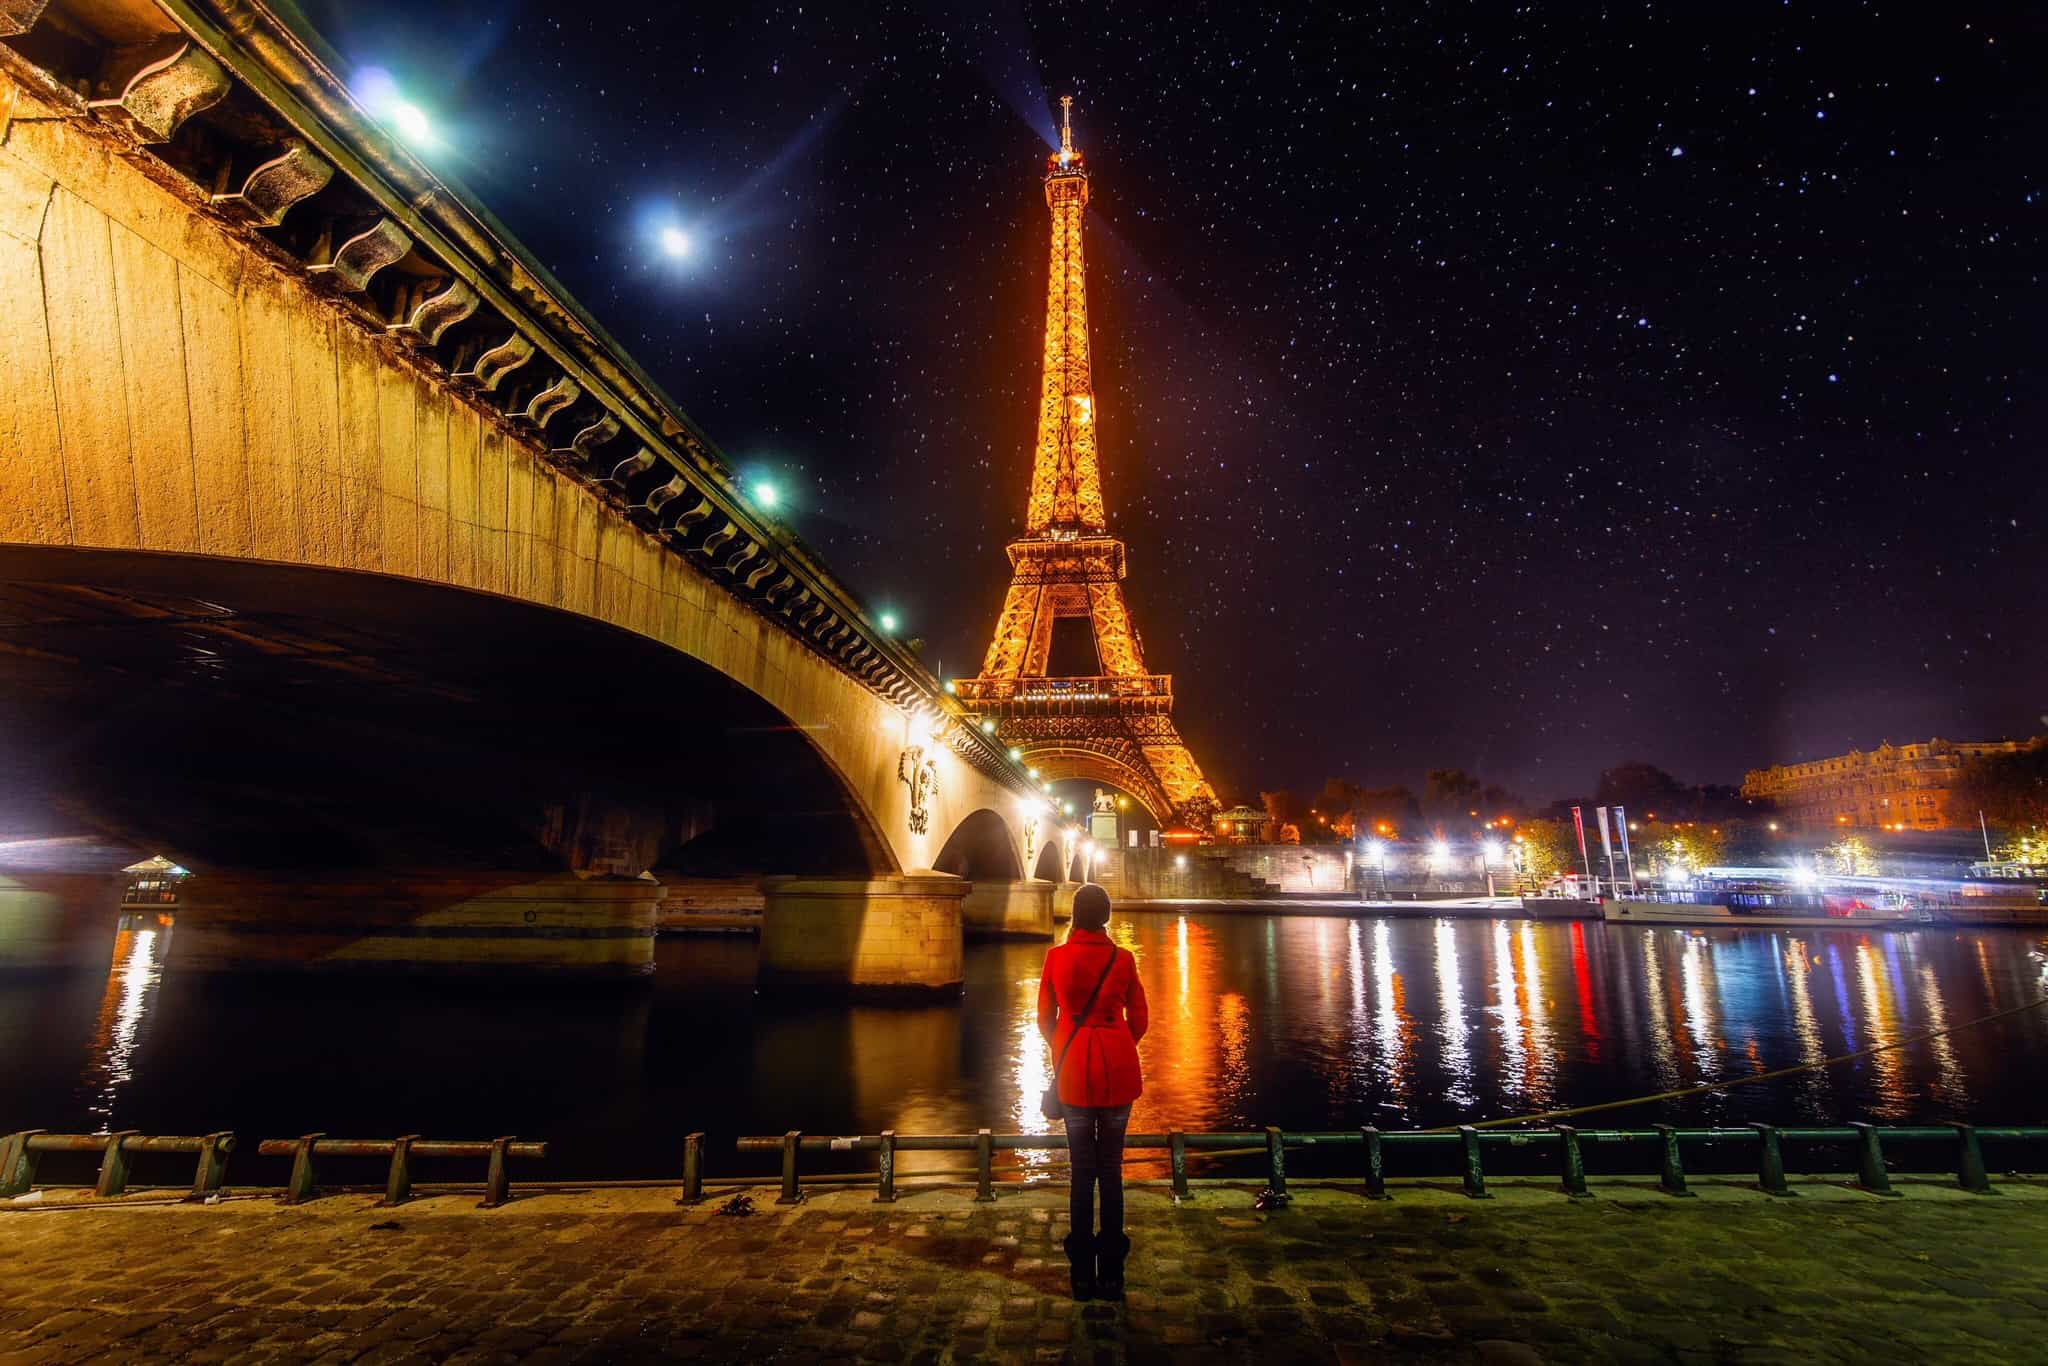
(1762, 901)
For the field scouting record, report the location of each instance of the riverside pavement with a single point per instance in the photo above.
(1630, 1275)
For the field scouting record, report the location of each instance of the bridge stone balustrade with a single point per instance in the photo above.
(246, 332)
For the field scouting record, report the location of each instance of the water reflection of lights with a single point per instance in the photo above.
(1535, 1014)
(1033, 1073)
(1513, 1046)
(131, 987)
(1393, 1032)
(1582, 979)
(1894, 1096)
(1662, 1053)
(1454, 1031)
(1806, 1023)
(1180, 940)
(1699, 1007)
(1949, 1086)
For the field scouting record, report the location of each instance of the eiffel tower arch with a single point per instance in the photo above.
(1114, 726)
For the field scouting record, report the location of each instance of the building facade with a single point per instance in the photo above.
(1892, 787)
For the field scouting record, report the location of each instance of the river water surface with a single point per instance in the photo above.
(1308, 1022)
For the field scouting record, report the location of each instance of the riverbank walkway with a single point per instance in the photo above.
(1631, 1275)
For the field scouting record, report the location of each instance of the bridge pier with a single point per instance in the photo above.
(887, 937)
(426, 922)
(1063, 900)
(1008, 910)
(53, 922)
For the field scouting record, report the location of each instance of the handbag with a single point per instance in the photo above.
(1049, 1103)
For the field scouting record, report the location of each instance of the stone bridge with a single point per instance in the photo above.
(346, 560)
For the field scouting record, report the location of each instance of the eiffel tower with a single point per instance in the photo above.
(1115, 725)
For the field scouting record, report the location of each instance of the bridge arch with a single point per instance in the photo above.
(256, 716)
(1051, 864)
(1064, 763)
(982, 848)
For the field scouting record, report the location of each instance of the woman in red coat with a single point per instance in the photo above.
(1095, 1054)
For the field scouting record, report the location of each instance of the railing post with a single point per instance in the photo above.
(300, 1187)
(17, 1163)
(1177, 1152)
(1276, 1168)
(1870, 1172)
(497, 1181)
(113, 1165)
(693, 1168)
(1670, 1166)
(1770, 1163)
(1475, 1172)
(885, 1183)
(213, 1164)
(1375, 1164)
(791, 1193)
(984, 1159)
(1970, 1173)
(1573, 1171)
(398, 1184)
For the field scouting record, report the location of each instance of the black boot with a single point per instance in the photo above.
(1110, 1251)
(1081, 1264)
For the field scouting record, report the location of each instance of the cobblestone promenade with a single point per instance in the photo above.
(1629, 1276)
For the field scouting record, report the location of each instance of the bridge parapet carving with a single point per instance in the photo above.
(237, 112)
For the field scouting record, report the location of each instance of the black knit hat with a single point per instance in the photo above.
(1091, 907)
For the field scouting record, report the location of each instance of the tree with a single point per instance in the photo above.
(1449, 793)
(1549, 848)
(2010, 789)
(1691, 847)
(1642, 788)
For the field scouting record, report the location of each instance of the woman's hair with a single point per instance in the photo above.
(1091, 907)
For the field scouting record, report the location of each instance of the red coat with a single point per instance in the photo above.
(1102, 1064)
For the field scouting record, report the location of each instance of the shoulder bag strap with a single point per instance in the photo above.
(1061, 1061)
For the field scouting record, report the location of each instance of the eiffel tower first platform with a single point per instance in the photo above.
(1115, 726)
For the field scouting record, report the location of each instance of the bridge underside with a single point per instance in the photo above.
(233, 714)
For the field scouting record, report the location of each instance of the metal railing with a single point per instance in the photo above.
(1078, 693)
(1868, 1152)
(1869, 1147)
(400, 1151)
(20, 1152)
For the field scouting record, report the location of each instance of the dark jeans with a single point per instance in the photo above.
(1095, 1147)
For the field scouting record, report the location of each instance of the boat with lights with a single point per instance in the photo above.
(1762, 897)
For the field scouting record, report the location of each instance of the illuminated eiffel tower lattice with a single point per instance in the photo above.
(1114, 725)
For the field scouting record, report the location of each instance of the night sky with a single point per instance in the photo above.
(1520, 388)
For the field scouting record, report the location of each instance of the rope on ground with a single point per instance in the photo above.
(1550, 1116)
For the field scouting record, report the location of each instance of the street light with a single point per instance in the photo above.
(675, 243)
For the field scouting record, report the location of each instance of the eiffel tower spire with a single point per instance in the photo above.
(1066, 479)
(1114, 725)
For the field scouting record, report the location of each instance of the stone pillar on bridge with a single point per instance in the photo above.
(54, 922)
(884, 937)
(425, 922)
(1008, 910)
(1063, 901)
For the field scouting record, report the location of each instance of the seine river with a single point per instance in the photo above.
(1308, 1022)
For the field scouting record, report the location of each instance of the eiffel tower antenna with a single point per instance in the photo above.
(1115, 725)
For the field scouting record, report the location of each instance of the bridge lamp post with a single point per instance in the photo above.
(887, 621)
(766, 495)
(675, 243)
